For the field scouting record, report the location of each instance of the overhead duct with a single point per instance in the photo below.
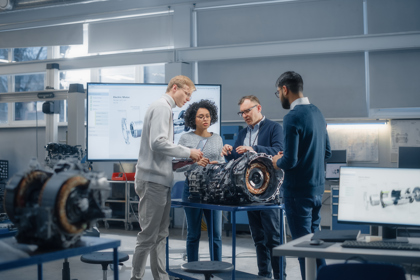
(7, 5)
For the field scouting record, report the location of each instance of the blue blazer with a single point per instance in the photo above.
(270, 139)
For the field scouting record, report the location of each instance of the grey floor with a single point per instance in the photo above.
(245, 258)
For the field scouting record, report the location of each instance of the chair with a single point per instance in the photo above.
(176, 193)
(103, 258)
(361, 271)
(207, 267)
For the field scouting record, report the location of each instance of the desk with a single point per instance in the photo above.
(335, 251)
(233, 209)
(86, 245)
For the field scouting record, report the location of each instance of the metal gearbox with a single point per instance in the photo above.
(248, 179)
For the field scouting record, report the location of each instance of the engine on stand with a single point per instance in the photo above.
(52, 209)
(248, 179)
(57, 152)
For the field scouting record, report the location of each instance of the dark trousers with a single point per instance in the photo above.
(303, 217)
(265, 231)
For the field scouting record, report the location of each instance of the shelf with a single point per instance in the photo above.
(119, 203)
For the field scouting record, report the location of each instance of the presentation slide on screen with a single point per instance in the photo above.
(379, 195)
(116, 114)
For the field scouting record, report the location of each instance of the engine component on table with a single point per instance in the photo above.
(52, 209)
(57, 152)
(395, 197)
(248, 179)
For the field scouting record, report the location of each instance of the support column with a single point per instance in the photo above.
(51, 120)
(76, 116)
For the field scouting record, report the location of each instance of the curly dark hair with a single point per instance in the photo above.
(191, 112)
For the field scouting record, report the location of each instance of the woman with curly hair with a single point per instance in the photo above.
(199, 116)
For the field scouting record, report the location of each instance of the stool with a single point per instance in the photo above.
(103, 258)
(207, 267)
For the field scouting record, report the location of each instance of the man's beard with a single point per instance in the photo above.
(285, 103)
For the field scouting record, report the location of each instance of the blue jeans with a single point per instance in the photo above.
(265, 231)
(194, 229)
(303, 217)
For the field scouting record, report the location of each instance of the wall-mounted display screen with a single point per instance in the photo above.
(115, 115)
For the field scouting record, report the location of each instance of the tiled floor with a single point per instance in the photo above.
(245, 259)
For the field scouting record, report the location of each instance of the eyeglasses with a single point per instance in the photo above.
(203, 117)
(277, 94)
(241, 113)
(186, 93)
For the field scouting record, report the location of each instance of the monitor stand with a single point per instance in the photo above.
(389, 234)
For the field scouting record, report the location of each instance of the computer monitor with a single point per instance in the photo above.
(115, 115)
(338, 156)
(380, 196)
(409, 157)
(332, 171)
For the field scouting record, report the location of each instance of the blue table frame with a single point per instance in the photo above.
(85, 246)
(233, 209)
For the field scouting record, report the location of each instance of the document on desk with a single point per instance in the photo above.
(336, 235)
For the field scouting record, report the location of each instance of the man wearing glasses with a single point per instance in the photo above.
(262, 136)
(306, 147)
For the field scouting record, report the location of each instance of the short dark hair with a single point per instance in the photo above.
(292, 80)
(191, 112)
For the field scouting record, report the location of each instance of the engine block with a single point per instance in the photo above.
(248, 179)
(52, 209)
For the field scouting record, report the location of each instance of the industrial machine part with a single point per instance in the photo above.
(52, 209)
(57, 152)
(248, 179)
(395, 197)
(125, 131)
(136, 128)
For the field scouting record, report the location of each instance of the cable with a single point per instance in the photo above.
(129, 198)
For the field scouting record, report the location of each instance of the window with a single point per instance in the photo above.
(125, 74)
(3, 106)
(154, 73)
(29, 110)
(4, 55)
(29, 54)
(74, 77)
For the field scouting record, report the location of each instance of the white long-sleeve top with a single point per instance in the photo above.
(156, 145)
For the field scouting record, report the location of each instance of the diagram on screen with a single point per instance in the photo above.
(136, 127)
(179, 123)
(395, 197)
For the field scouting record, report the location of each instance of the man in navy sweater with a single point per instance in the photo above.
(306, 147)
(262, 136)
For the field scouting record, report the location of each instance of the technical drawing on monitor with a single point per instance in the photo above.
(332, 171)
(379, 196)
(332, 165)
(115, 115)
